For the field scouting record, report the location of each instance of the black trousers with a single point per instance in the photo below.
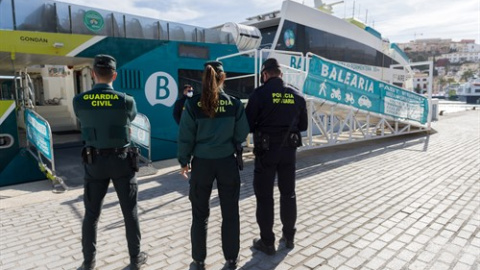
(115, 167)
(204, 172)
(278, 161)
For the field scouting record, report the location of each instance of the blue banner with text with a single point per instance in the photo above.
(38, 133)
(330, 81)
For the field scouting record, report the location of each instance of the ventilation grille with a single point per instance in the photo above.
(131, 79)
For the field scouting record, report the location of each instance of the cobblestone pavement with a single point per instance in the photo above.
(410, 202)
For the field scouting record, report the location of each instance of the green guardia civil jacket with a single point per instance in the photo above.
(105, 116)
(211, 138)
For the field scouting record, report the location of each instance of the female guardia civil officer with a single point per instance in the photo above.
(211, 126)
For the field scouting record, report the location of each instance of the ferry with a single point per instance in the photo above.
(301, 28)
(45, 62)
(469, 92)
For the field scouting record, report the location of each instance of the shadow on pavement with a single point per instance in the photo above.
(310, 162)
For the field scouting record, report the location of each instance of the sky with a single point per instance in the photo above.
(398, 20)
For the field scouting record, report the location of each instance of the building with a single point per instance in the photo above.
(465, 50)
(460, 57)
(420, 82)
(427, 45)
(465, 45)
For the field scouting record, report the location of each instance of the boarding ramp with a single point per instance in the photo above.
(345, 106)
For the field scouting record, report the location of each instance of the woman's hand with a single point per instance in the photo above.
(184, 171)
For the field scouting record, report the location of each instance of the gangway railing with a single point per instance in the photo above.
(353, 107)
(40, 146)
(24, 90)
(429, 85)
(140, 131)
(339, 114)
(332, 124)
(249, 53)
(292, 76)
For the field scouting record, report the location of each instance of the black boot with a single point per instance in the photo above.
(288, 243)
(136, 263)
(87, 265)
(231, 264)
(196, 265)
(258, 244)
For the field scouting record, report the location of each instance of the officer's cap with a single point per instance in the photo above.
(217, 65)
(105, 61)
(270, 64)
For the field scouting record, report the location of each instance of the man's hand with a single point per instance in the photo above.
(184, 171)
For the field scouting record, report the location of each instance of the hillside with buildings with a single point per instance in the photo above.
(455, 63)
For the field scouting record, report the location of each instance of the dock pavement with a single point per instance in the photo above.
(409, 202)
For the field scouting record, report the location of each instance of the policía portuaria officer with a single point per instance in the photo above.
(212, 125)
(105, 116)
(276, 114)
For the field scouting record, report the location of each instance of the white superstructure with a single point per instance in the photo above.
(297, 27)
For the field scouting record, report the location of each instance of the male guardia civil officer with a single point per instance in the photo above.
(276, 114)
(105, 117)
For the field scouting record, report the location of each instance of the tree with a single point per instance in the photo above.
(452, 95)
(466, 75)
(442, 82)
(417, 89)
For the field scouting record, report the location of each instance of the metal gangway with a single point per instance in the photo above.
(38, 133)
(341, 116)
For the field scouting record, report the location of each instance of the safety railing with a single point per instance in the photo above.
(140, 131)
(40, 146)
(339, 113)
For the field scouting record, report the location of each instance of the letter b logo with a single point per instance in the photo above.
(161, 88)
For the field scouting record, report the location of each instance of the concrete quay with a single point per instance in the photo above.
(410, 202)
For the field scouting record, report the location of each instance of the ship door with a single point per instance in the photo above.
(78, 81)
(37, 83)
(82, 80)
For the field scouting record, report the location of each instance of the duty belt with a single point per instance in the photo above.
(276, 137)
(109, 151)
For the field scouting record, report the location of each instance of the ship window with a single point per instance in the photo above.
(38, 20)
(268, 35)
(142, 28)
(6, 15)
(331, 46)
(193, 51)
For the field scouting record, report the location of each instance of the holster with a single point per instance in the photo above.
(134, 157)
(87, 155)
(261, 143)
(239, 156)
(294, 139)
